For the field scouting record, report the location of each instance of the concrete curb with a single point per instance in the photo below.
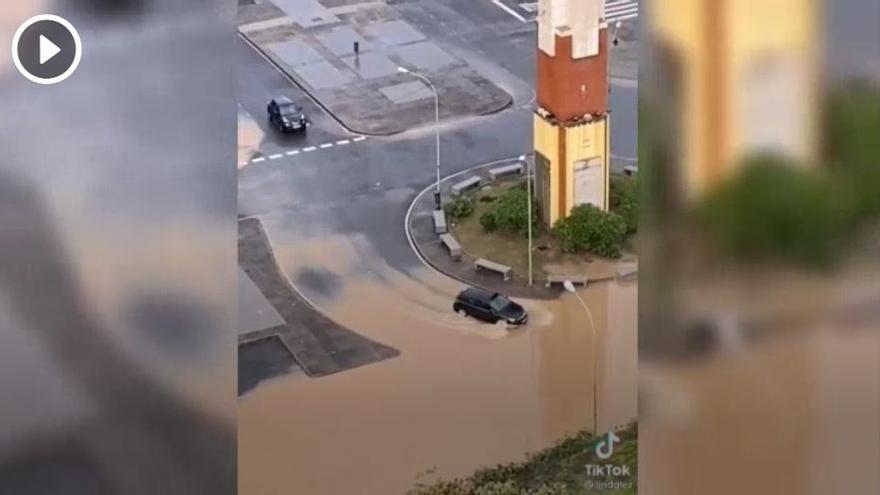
(515, 287)
(269, 58)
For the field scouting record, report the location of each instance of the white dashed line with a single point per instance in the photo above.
(341, 142)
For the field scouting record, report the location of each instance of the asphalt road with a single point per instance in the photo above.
(365, 187)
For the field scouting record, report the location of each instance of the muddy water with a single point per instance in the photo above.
(796, 414)
(249, 137)
(462, 394)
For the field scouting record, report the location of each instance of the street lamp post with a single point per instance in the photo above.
(404, 70)
(569, 286)
(523, 159)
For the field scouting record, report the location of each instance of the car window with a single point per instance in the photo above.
(290, 110)
(498, 303)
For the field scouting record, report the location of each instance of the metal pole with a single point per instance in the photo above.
(404, 70)
(529, 214)
(436, 126)
(595, 367)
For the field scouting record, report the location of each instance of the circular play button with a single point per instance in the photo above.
(46, 49)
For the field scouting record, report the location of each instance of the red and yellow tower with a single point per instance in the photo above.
(571, 123)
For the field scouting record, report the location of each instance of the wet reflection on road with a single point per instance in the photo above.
(462, 394)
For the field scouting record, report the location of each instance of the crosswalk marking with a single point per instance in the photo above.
(621, 10)
(615, 10)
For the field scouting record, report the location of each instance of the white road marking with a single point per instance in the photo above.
(615, 10)
(621, 10)
(509, 10)
(341, 142)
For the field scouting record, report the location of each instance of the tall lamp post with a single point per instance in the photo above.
(404, 70)
(569, 286)
(524, 160)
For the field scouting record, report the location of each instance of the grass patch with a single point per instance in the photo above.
(557, 470)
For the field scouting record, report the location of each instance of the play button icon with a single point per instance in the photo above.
(46, 49)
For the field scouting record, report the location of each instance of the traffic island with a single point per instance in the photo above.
(475, 246)
(347, 60)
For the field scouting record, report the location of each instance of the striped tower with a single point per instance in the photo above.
(734, 78)
(571, 123)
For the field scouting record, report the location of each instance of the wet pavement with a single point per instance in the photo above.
(315, 46)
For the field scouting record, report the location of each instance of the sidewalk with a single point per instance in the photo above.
(420, 227)
(314, 45)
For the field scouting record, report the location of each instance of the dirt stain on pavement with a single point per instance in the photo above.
(249, 138)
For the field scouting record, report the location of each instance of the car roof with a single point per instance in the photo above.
(283, 100)
(478, 294)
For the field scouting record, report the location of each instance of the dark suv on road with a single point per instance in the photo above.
(489, 306)
(285, 116)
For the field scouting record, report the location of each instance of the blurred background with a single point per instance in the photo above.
(117, 254)
(759, 327)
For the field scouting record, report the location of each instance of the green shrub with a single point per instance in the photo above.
(778, 210)
(509, 213)
(489, 221)
(460, 208)
(589, 229)
(625, 201)
(852, 132)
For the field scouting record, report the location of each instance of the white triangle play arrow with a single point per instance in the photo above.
(47, 49)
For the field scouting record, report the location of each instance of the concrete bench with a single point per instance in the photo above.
(440, 222)
(452, 245)
(466, 185)
(560, 279)
(628, 272)
(515, 169)
(485, 264)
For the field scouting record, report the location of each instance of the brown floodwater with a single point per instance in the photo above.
(462, 394)
(794, 410)
(249, 138)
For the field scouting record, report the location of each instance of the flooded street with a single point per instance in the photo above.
(462, 394)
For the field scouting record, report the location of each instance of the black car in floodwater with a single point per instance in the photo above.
(489, 306)
(286, 116)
